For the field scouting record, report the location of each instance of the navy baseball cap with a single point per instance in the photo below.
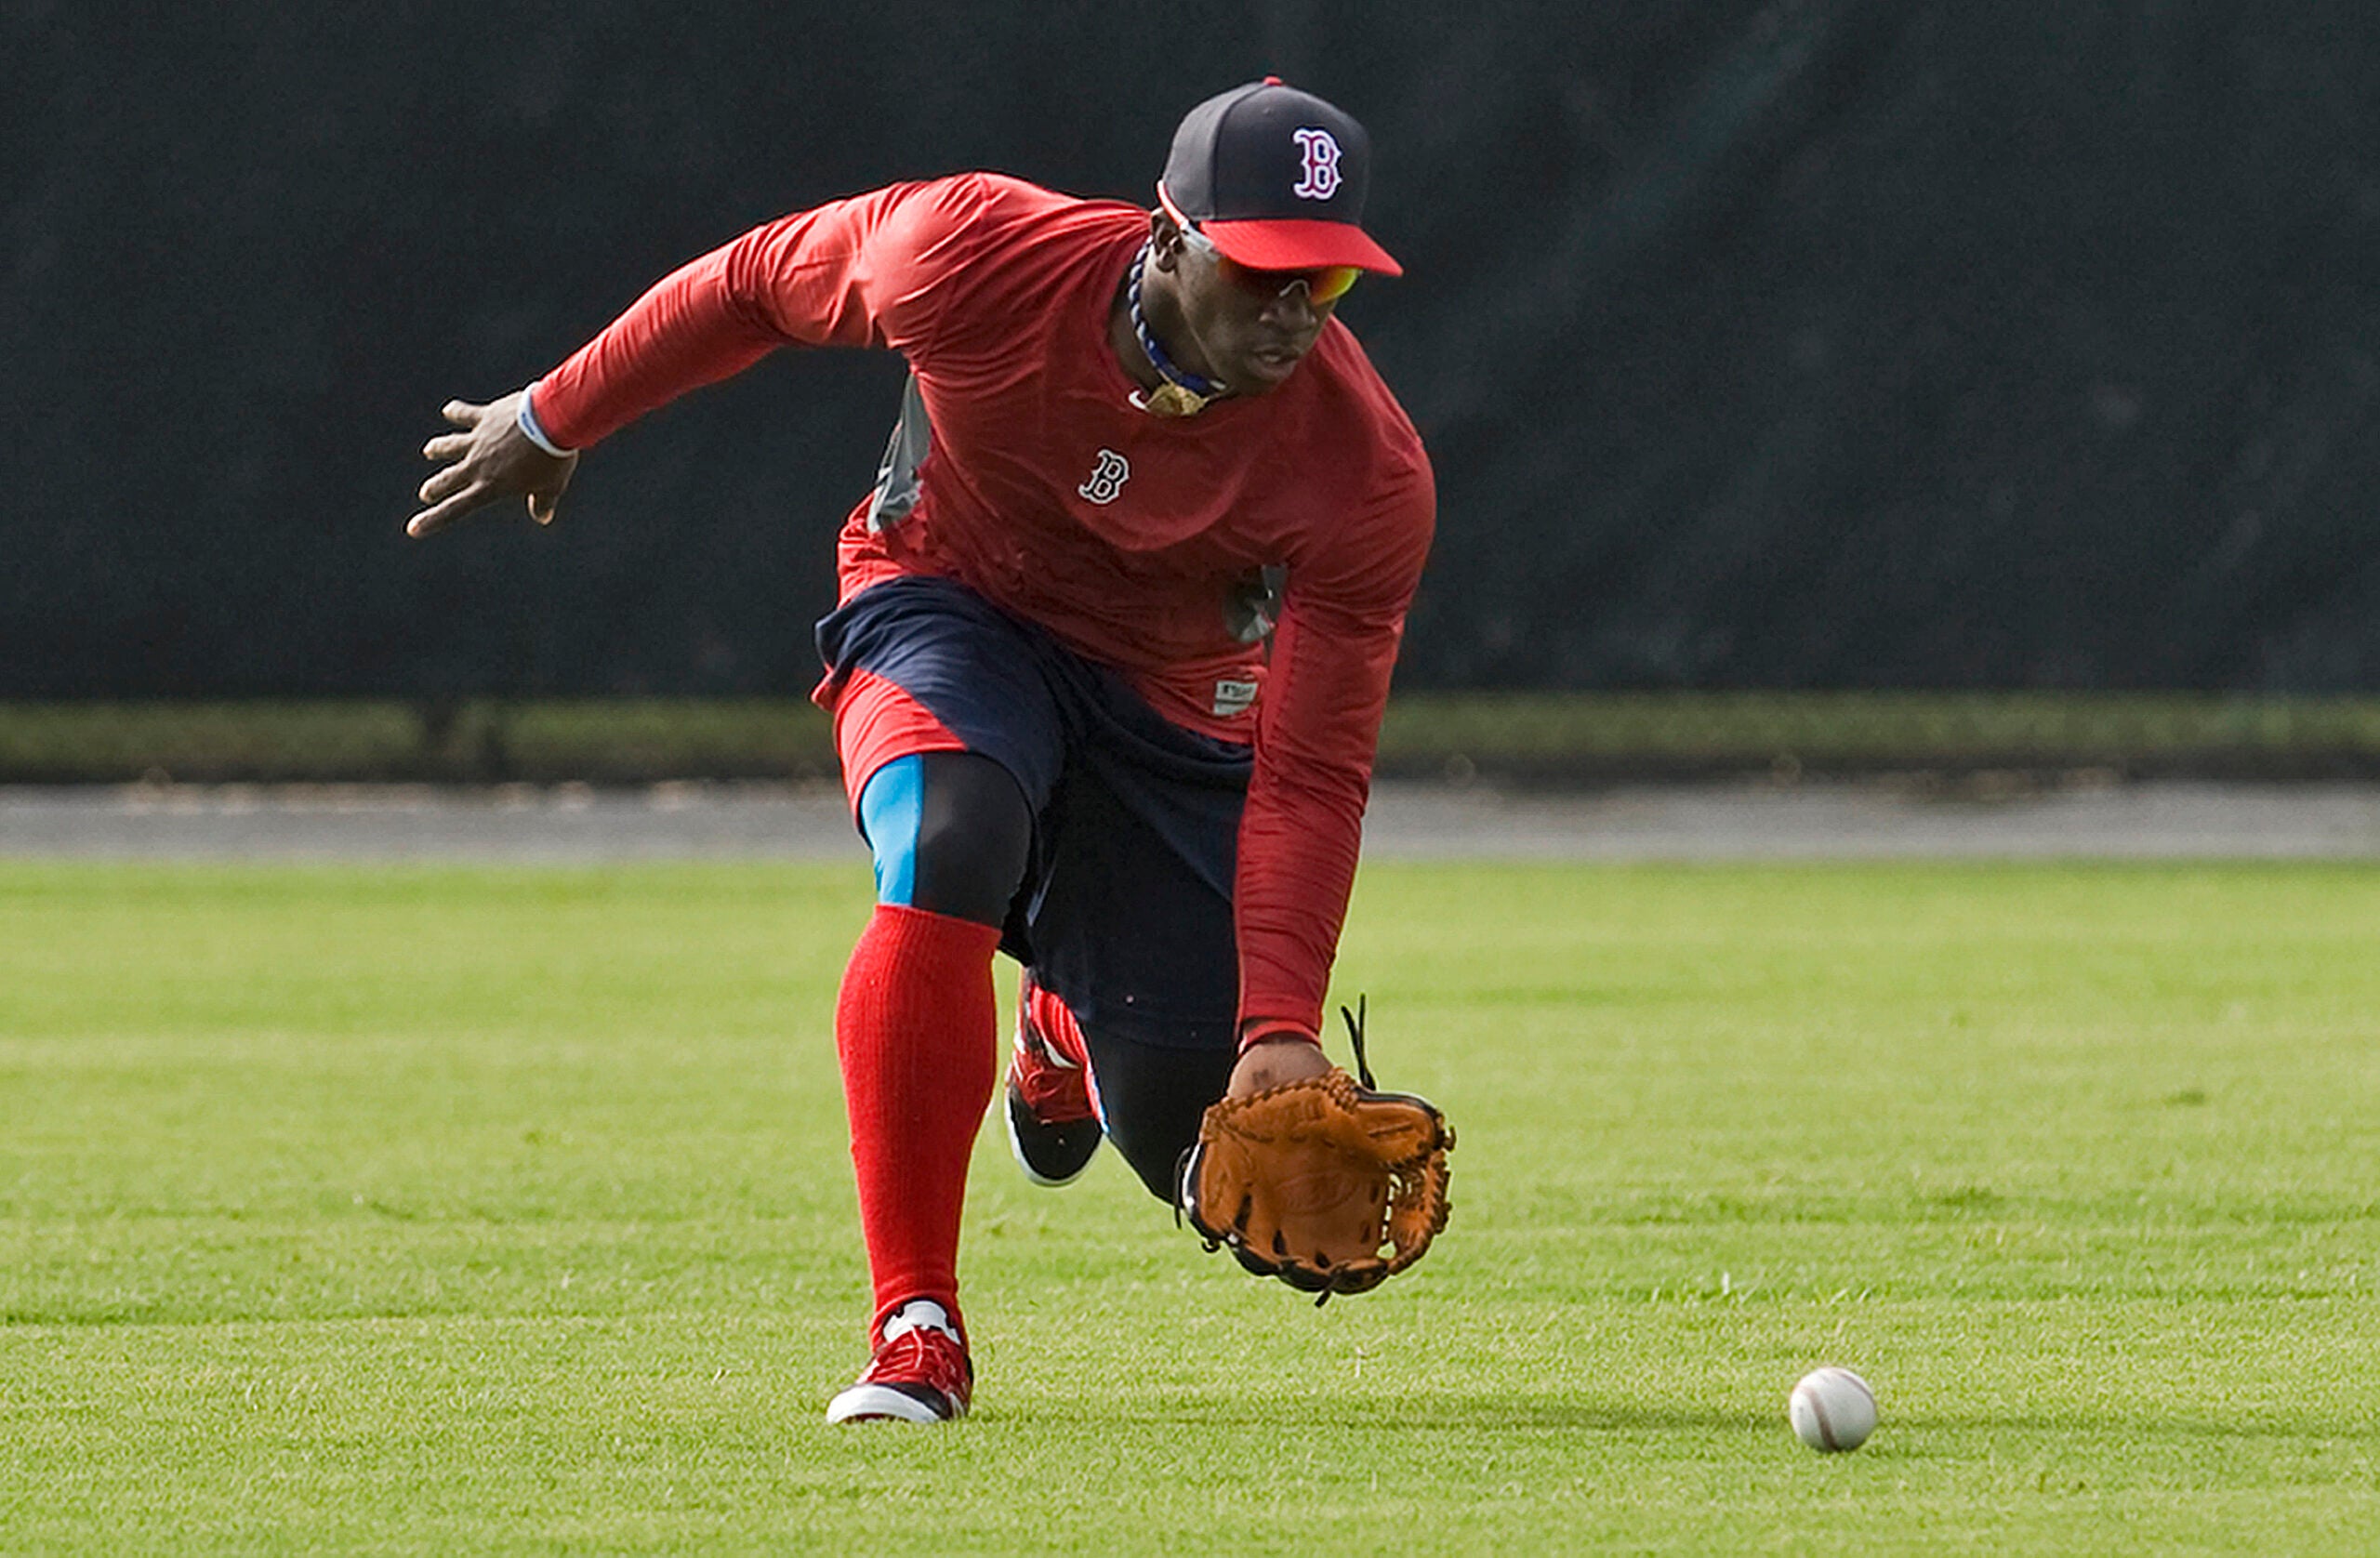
(1275, 177)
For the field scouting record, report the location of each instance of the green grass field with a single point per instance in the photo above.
(430, 1210)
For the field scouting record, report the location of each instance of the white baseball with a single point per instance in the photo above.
(1832, 1409)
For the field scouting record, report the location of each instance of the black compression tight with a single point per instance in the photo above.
(950, 832)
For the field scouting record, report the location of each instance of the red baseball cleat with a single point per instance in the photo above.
(920, 1373)
(1052, 1127)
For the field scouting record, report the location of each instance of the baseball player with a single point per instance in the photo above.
(1112, 641)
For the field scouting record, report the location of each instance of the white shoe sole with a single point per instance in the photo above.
(863, 1403)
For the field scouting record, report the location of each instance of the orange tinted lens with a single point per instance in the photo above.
(1325, 286)
(1330, 283)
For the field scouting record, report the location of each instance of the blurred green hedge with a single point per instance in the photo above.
(1577, 738)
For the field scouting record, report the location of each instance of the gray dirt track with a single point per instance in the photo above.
(1810, 821)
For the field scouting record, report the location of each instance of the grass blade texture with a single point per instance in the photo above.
(429, 1210)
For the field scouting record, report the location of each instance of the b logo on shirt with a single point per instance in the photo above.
(1321, 170)
(1107, 477)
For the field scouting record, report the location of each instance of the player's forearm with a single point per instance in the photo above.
(864, 270)
(1298, 866)
(1303, 828)
(689, 330)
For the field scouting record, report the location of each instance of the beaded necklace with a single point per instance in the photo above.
(1183, 393)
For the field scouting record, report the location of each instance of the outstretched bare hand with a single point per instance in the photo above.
(490, 458)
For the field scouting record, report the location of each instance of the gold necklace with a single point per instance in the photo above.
(1172, 400)
(1183, 393)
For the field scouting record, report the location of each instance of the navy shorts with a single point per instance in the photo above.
(1125, 912)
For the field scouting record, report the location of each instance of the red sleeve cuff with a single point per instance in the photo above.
(1263, 1030)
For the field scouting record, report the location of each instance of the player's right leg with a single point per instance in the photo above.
(914, 1030)
(943, 743)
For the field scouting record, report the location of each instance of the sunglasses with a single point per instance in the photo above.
(1324, 284)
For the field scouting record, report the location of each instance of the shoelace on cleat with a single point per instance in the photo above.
(911, 1358)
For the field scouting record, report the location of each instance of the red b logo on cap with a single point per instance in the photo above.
(1321, 170)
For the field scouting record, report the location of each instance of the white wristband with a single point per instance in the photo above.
(527, 420)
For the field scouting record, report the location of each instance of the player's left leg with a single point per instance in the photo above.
(1051, 1105)
(1153, 1097)
(1067, 1089)
(1135, 970)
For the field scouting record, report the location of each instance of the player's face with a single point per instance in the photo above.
(1245, 329)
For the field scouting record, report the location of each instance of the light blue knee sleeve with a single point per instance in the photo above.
(892, 808)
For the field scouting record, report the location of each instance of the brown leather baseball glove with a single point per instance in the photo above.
(1312, 1181)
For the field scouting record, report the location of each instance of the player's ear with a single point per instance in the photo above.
(1165, 240)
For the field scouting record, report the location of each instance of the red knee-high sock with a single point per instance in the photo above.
(916, 1029)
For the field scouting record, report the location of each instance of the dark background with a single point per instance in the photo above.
(1837, 344)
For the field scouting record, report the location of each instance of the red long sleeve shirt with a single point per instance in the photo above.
(1133, 538)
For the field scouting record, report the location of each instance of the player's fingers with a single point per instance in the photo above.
(463, 414)
(542, 507)
(438, 516)
(446, 446)
(444, 483)
(429, 522)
